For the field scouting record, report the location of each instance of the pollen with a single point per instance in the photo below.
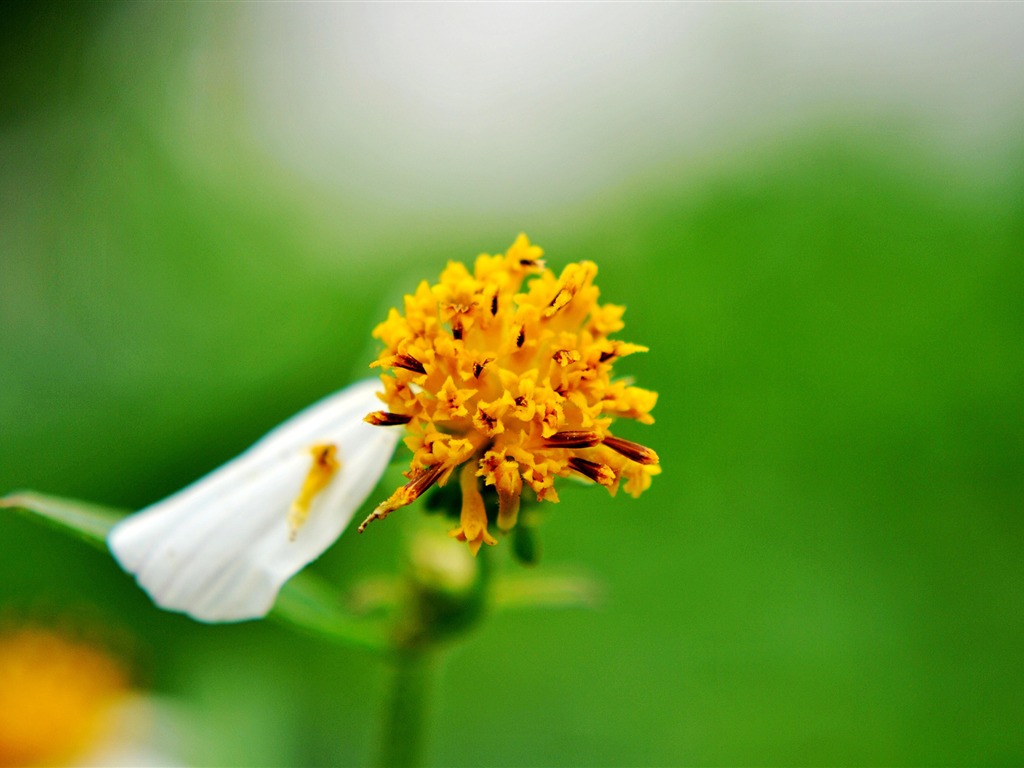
(506, 371)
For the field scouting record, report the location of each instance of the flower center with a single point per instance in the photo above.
(508, 370)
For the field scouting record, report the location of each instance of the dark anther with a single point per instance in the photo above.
(573, 438)
(386, 419)
(638, 453)
(408, 362)
(478, 368)
(599, 473)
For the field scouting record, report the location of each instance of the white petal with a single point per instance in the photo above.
(220, 549)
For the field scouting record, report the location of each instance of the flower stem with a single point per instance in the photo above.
(406, 709)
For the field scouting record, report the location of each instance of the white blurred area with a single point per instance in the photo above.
(518, 107)
(138, 734)
(515, 109)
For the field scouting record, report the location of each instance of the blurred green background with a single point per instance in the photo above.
(825, 255)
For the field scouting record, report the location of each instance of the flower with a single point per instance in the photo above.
(65, 701)
(221, 549)
(54, 698)
(513, 383)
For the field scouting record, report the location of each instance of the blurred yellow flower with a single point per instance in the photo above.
(513, 382)
(56, 697)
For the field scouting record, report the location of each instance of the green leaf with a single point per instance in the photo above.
(89, 522)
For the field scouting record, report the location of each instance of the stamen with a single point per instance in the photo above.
(325, 465)
(599, 473)
(386, 419)
(478, 368)
(494, 304)
(408, 362)
(407, 494)
(641, 454)
(457, 331)
(621, 349)
(573, 438)
(521, 338)
(565, 357)
(485, 422)
(573, 278)
(559, 300)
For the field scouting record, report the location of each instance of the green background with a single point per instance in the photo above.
(829, 570)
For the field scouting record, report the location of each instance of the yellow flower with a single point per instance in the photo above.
(54, 697)
(507, 371)
(68, 701)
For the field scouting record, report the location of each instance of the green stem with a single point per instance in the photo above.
(406, 712)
